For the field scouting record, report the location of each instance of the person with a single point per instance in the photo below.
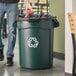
(9, 7)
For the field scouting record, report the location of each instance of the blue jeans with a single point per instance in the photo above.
(11, 9)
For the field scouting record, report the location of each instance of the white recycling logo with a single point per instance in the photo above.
(33, 42)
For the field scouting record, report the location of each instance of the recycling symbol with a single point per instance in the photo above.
(32, 42)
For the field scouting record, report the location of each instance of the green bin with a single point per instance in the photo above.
(36, 43)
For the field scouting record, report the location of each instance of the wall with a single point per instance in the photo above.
(69, 7)
(68, 40)
(57, 8)
(60, 9)
(74, 6)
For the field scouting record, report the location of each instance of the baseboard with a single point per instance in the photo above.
(68, 74)
(60, 56)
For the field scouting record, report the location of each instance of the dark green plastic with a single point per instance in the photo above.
(39, 55)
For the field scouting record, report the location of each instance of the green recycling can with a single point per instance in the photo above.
(35, 43)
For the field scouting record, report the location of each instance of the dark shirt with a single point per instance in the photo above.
(9, 1)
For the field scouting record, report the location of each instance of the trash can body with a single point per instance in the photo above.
(36, 44)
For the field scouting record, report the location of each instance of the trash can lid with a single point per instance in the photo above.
(35, 18)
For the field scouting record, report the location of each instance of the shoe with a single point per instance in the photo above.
(1, 55)
(9, 61)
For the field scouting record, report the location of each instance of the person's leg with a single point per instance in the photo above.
(12, 11)
(1, 21)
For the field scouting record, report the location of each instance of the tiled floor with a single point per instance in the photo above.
(16, 70)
